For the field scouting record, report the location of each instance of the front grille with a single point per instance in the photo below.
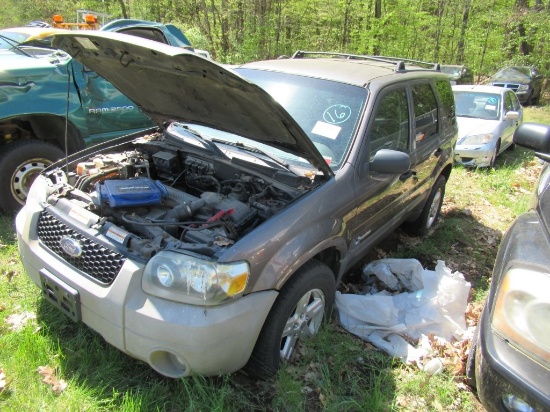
(96, 260)
(513, 86)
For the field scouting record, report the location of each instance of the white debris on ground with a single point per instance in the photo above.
(407, 311)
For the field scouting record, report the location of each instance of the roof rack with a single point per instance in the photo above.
(398, 61)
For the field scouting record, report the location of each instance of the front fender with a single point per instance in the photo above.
(301, 249)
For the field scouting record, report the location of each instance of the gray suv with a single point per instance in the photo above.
(216, 241)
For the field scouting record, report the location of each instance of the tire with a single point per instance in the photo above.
(495, 154)
(303, 303)
(20, 163)
(430, 212)
(528, 100)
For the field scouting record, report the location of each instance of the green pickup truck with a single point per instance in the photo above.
(51, 105)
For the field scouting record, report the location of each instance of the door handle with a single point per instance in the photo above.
(438, 152)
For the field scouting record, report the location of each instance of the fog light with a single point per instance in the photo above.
(169, 363)
(514, 404)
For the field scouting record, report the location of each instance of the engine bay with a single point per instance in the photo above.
(152, 194)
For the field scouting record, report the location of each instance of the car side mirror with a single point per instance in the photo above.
(533, 136)
(511, 115)
(390, 161)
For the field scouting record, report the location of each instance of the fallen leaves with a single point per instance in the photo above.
(49, 378)
(10, 273)
(18, 321)
(453, 354)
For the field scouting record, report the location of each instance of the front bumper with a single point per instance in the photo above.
(501, 370)
(175, 339)
(523, 96)
(474, 156)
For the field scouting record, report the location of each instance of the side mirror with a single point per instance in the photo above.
(511, 115)
(390, 161)
(533, 136)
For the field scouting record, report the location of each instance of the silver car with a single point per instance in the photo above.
(487, 117)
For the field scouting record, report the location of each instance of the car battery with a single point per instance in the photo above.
(131, 192)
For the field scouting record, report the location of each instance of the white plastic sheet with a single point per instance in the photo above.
(413, 304)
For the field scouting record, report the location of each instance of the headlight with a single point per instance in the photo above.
(523, 88)
(522, 312)
(477, 139)
(188, 279)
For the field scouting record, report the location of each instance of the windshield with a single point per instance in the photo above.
(479, 105)
(514, 72)
(328, 111)
(452, 70)
(45, 42)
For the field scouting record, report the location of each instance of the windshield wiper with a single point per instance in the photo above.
(184, 133)
(285, 165)
(14, 45)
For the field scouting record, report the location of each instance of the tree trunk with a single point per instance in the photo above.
(123, 8)
(523, 44)
(377, 19)
(464, 26)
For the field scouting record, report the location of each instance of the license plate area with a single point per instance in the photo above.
(64, 297)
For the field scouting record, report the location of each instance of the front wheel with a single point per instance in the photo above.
(430, 212)
(305, 300)
(495, 154)
(20, 163)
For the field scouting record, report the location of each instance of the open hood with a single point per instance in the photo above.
(170, 83)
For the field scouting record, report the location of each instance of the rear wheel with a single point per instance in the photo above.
(303, 303)
(20, 163)
(430, 213)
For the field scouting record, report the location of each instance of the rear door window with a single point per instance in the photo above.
(425, 113)
(148, 33)
(512, 102)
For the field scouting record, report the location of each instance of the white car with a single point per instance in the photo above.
(487, 117)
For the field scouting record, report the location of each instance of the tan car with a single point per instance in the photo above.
(216, 241)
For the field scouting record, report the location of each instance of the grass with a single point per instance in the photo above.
(336, 372)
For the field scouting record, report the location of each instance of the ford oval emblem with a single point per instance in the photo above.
(71, 246)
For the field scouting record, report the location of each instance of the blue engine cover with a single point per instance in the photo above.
(131, 192)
